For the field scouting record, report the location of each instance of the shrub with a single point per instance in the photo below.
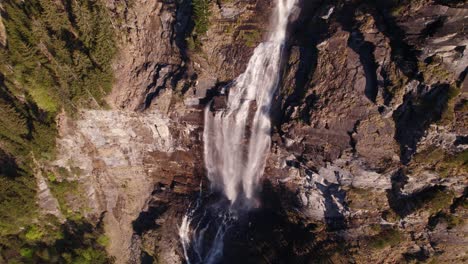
(103, 240)
(26, 253)
(34, 233)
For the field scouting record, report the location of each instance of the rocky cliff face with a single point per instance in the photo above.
(369, 155)
(119, 158)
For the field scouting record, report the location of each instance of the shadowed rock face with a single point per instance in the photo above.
(368, 157)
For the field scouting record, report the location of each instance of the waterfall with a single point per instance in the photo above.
(236, 144)
(237, 139)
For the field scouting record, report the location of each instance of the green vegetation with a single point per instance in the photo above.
(57, 57)
(34, 233)
(452, 220)
(386, 238)
(58, 54)
(434, 71)
(398, 10)
(251, 37)
(400, 6)
(390, 216)
(445, 164)
(17, 201)
(201, 18)
(358, 197)
(437, 201)
(449, 111)
(72, 242)
(364, 199)
(395, 82)
(103, 240)
(453, 164)
(26, 253)
(65, 191)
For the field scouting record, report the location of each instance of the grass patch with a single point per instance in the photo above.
(363, 199)
(452, 220)
(34, 233)
(394, 83)
(250, 37)
(437, 201)
(27, 253)
(386, 238)
(103, 240)
(433, 70)
(44, 100)
(390, 216)
(398, 10)
(69, 195)
(453, 164)
(445, 164)
(201, 18)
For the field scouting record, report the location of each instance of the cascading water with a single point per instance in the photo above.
(237, 141)
(232, 165)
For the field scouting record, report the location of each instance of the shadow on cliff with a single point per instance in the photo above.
(73, 241)
(8, 166)
(420, 108)
(416, 114)
(405, 204)
(306, 33)
(403, 54)
(365, 49)
(279, 233)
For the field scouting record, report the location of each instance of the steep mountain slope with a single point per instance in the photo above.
(369, 156)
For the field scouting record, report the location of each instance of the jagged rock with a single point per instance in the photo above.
(149, 58)
(375, 142)
(229, 43)
(439, 29)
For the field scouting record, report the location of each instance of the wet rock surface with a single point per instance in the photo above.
(369, 156)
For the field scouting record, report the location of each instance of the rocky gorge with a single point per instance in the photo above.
(368, 160)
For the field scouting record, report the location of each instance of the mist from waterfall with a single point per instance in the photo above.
(236, 144)
(237, 139)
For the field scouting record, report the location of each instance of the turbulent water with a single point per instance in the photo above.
(237, 141)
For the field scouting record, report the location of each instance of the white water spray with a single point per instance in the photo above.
(236, 143)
